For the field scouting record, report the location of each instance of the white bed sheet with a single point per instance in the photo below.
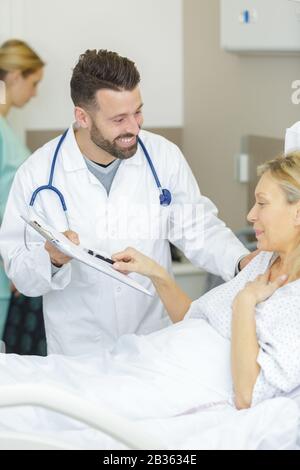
(176, 382)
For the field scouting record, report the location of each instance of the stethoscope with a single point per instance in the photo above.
(165, 196)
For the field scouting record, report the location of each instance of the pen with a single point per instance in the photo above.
(96, 255)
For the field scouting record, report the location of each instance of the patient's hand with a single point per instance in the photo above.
(261, 289)
(133, 261)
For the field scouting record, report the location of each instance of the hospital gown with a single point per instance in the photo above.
(277, 327)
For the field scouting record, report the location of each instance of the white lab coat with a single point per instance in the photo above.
(83, 308)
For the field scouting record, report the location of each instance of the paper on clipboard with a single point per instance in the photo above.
(81, 254)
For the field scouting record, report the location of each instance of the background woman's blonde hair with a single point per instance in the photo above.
(285, 169)
(17, 55)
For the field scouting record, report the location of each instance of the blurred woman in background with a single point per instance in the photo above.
(21, 70)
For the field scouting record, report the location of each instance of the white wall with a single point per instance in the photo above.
(147, 31)
(228, 96)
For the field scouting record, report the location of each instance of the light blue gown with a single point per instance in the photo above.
(12, 155)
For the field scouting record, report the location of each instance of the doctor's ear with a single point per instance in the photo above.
(82, 117)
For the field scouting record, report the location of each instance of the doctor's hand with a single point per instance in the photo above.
(58, 258)
(133, 261)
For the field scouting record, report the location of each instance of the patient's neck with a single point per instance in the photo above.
(283, 263)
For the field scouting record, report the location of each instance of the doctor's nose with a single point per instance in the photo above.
(133, 126)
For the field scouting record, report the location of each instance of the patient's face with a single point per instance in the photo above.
(275, 221)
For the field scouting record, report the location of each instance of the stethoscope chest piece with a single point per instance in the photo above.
(165, 197)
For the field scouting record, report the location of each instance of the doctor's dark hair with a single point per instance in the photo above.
(98, 70)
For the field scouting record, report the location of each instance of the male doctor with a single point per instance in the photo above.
(113, 201)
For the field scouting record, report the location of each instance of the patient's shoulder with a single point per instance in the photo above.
(259, 264)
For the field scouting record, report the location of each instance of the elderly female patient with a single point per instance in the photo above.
(259, 310)
(238, 343)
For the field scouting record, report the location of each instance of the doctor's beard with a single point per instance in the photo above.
(112, 147)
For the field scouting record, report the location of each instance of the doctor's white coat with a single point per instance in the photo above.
(84, 309)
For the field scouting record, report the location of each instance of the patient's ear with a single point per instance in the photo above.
(297, 218)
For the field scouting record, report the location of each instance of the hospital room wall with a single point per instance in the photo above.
(227, 96)
(61, 30)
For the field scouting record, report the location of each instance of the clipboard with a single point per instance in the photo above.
(95, 260)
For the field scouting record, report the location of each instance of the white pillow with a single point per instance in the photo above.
(292, 138)
(295, 395)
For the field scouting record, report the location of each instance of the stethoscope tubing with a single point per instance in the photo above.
(164, 196)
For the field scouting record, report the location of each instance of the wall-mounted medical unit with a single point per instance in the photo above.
(260, 25)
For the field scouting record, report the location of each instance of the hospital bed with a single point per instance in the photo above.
(128, 433)
(106, 429)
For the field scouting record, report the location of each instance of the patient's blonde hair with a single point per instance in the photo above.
(286, 170)
(17, 55)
